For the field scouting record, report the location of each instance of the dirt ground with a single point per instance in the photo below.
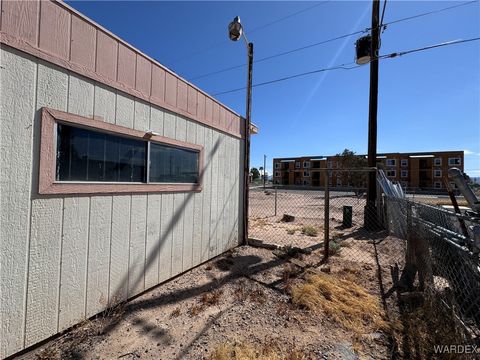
(245, 295)
(242, 295)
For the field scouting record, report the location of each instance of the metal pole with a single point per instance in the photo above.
(326, 220)
(247, 141)
(275, 201)
(264, 164)
(370, 218)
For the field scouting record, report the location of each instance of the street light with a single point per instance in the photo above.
(235, 32)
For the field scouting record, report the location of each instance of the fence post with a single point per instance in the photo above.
(275, 201)
(326, 215)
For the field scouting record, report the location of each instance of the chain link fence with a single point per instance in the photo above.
(419, 258)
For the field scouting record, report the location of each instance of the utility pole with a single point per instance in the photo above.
(264, 164)
(370, 214)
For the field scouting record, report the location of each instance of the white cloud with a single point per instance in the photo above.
(469, 152)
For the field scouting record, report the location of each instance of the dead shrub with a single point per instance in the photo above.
(212, 298)
(342, 300)
(291, 231)
(175, 313)
(310, 231)
(258, 296)
(245, 351)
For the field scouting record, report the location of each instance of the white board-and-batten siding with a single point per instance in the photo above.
(66, 258)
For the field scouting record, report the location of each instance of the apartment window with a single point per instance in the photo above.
(437, 161)
(391, 173)
(437, 185)
(404, 173)
(339, 182)
(306, 174)
(330, 164)
(404, 162)
(297, 164)
(454, 161)
(277, 165)
(391, 162)
(437, 173)
(277, 174)
(453, 185)
(306, 164)
(89, 156)
(306, 182)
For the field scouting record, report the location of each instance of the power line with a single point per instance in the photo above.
(330, 40)
(288, 16)
(251, 31)
(348, 67)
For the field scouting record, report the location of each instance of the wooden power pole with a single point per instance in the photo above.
(370, 215)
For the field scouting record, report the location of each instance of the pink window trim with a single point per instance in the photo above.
(48, 185)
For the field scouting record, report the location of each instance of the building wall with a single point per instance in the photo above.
(66, 258)
(420, 171)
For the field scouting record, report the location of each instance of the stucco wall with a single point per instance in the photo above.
(65, 258)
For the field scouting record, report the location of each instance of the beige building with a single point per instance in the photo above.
(419, 170)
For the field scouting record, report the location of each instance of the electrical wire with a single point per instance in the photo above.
(287, 17)
(250, 31)
(383, 13)
(330, 40)
(348, 67)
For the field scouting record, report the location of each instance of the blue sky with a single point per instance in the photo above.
(428, 101)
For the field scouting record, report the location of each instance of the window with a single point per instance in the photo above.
(437, 173)
(297, 164)
(306, 182)
(404, 162)
(404, 173)
(277, 165)
(454, 161)
(391, 173)
(306, 164)
(437, 161)
(90, 156)
(339, 182)
(391, 162)
(306, 174)
(437, 185)
(277, 174)
(453, 185)
(330, 164)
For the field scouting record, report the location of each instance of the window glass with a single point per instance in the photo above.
(86, 155)
(173, 165)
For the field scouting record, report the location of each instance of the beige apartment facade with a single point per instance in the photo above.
(415, 170)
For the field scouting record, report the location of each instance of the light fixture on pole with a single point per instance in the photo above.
(235, 32)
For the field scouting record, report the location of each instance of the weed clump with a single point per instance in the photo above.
(310, 231)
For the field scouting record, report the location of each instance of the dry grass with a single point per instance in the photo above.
(207, 299)
(310, 231)
(175, 313)
(342, 300)
(245, 351)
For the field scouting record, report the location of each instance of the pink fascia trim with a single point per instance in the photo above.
(55, 32)
(48, 185)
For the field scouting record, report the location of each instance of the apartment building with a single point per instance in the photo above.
(416, 170)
